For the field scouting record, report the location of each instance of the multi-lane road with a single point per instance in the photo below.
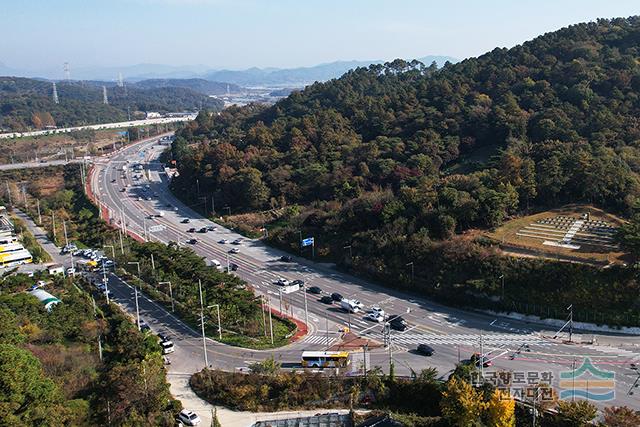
(453, 333)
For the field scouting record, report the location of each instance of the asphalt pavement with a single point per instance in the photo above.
(454, 334)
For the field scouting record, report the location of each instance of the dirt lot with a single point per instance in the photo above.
(525, 246)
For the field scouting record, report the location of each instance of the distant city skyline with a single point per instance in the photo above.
(41, 35)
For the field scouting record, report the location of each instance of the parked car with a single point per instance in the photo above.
(71, 271)
(315, 290)
(286, 258)
(336, 297)
(425, 349)
(326, 299)
(188, 418)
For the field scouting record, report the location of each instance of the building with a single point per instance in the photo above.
(152, 115)
(56, 269)
(45, 298)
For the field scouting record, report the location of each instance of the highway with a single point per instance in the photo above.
(454, 334)
(116, 125)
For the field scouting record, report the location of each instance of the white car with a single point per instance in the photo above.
(357, 304)
(223, 241)
(234, 251)
(376, 309)
(71, 271)
(167, 347)
(189, 418)
(283, 282)
(374, 316)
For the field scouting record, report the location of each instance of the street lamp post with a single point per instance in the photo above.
(113, 250)
(350, 253)
(502, 278)
(204, 338)
(170, 294)
(137, 264)
(412, 270)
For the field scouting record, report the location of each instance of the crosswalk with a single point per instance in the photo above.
(318, 339)
(488, 340)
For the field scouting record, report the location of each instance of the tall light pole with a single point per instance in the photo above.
(204, 338)
(170, 294)
(106, 283)
(135, 290)
(113, 250)
(306, 313)
(350, 253)
(570, 308)
(217, 306)
(502, 278)
(412, 270)
(137, 264)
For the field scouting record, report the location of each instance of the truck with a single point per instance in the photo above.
(160, 214)
(287, 289)
(349, 306)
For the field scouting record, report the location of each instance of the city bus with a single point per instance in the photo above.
(11, 259)
(10, 247)
(325, 359)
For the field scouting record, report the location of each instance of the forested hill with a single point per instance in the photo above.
(27, 104)
(550, 121)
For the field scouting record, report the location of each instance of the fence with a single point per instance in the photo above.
(324, 420)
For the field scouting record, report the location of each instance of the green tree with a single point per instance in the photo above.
(27, 397)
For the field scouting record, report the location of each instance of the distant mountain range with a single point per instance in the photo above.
(161, 75)
(303, 75)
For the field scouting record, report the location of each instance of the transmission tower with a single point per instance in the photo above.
(67, 71)
(120, 80)
(105, 100)
(55, 94)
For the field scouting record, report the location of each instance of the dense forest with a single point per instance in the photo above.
(27, 104)
(399, 160)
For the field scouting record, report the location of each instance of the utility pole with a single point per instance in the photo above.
(350, 253)
(64, 227)
(204, 338)
(121, 243)
(280, 293)
(481, 357)
(306, 313)
(153, 264)
(106, 284)
(39, 216)
(217, 306)
(264, 316)
(9, 193)
(270, 321)
(570, 308)
(502, 278)
(135, 290)
(170, 294)
(53, 223)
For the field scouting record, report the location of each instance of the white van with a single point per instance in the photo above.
(167, 347)
(216, 264)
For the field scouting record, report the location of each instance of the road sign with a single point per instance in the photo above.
(307, 242)
(156, 228)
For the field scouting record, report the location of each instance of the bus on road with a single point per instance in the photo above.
(325, 359)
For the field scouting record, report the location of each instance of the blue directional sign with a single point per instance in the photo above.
(307, 242)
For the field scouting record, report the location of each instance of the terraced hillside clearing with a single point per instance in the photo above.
(579, 233)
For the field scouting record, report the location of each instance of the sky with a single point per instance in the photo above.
(237, 34)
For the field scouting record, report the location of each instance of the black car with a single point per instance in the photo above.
(397, 322)
(192, 241)
(425, 349)
(298, 282)
(336, 297)
(163, 337)
(326, 299)
(186, 221)
(191, 230)
(286, 258)
(202, 230)
(113, 181)
(233, 267)
(315, 290)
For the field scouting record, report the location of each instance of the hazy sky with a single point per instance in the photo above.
(41, 34)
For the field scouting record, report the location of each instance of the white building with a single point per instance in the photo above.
(46, 298)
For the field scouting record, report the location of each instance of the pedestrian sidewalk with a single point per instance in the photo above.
(41, 237)
(180, 390)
